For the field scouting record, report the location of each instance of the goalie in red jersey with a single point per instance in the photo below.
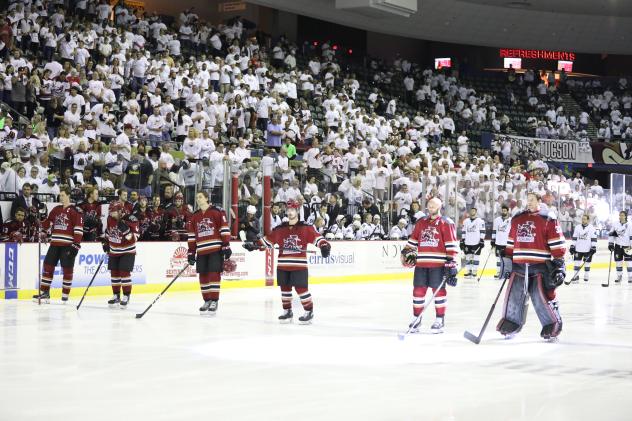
(292, 238)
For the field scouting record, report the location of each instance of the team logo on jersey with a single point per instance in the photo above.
(61, 222)
(292, 244)
(429, 237)
(503, 227)
(205, 227)
(114, 235)
(526, 232)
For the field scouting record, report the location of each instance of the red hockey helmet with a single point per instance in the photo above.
(115, 206)
(230, 265)
(292, 204)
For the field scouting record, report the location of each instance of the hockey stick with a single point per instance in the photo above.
(607, 284)
(576, 273)
(477, 339)
(91, 281)
(39, 268)
(139, 315)
(402, 336)
(485, 265)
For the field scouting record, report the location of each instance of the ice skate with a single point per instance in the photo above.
(64, 299)
(437, 326)
(114, 301)
(43, 296)
(575, 279)
(618, 279)
(586, 279)
(306, 319)
(205, 308)
(414, 325)
(124, 302)
(212, 309)
(286, 317)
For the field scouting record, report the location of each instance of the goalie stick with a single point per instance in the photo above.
(477, 339)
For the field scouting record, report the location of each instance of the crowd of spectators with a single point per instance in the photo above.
(115, 102)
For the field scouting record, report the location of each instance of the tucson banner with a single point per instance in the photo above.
(550, 149)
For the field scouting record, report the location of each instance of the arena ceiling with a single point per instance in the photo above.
(584, 26)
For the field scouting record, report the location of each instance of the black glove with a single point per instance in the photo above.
(462, 245)
(493, 244)
(592, 251)
(74, 250)
(191, 259)
(225, 251)
(610, 246)
(449, 272)
(325, 250)
(250, 246)
(559, 272)
(481, 246)
(572, 249)
(123, 227)
(409, 257)
(106, 246)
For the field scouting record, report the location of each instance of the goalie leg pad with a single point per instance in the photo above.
(514, 309)
(546, 307)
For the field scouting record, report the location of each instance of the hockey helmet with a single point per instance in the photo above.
(339, 236)
(329, 236)
(179, 196)
(292, 204)
(230, 265)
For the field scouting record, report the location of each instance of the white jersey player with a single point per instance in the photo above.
(584, 246)
(472, 242)
(399, 231)
(500, 233)
(618, 241)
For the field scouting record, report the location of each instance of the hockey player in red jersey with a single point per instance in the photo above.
(292, 238)
(432, 249)
(19, 229)
(209, 246)
(177, 217)
(66, 224)
(119, 242)
(535, 251)
(91, 208)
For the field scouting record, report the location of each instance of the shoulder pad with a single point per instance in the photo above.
(78, 209)
(447, 219)
(197, 212)
(219, 208)
(132, 218)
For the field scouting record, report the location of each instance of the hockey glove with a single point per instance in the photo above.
(74, 250)
(572, 250)
(559, 272)
(43, 236)
(493, 243)
(191, 259)
(123, 227)
(105, 245)
(592, 251)
(481, 246)
(462, 245)
(250, 246)
(610, 246)
(225, 251)
(449, 272)
(408, 258)
(325, 250)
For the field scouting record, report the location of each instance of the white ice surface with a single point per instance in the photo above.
(103, 364)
